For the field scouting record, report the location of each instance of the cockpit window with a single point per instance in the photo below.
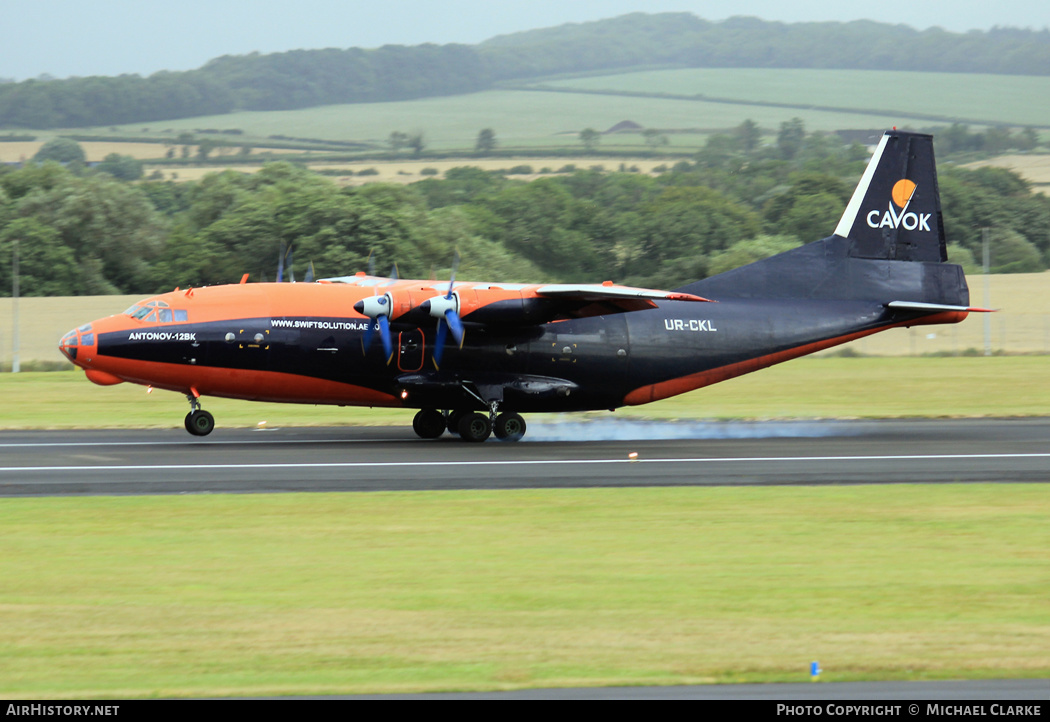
(153, 311)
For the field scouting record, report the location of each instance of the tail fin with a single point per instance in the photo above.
(888, 246)
(895, 212)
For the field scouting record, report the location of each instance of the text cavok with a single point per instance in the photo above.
(891, 219)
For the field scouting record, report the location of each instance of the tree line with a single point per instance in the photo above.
(305, 78)
(82, 231)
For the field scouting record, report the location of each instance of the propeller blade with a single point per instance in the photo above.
(384, 333)
(393, 272)
(310, 273)
(371, 263)
(366, 340)
(439, 343)
(280, 263)
(455, 325)
(452, 279)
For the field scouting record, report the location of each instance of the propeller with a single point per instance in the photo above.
(378, 309)
(446, 310)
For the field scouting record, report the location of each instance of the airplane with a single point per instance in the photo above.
(472, 357)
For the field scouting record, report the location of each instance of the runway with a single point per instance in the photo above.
(595, 454)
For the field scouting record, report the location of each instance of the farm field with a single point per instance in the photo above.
(1034, 168)
(95, 151)
(521, 119)
(412, 171)
(531, 120)
(1007, 99)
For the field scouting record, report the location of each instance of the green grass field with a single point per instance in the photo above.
(529, 119)
(1008, 99)
(235, 595)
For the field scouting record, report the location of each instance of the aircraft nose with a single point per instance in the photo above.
(78, 342)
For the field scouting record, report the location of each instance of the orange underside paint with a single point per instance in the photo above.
(243, 384)
(102, 378)
(673, 387)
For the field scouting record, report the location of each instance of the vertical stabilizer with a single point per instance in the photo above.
(895, 212)
(888, 246)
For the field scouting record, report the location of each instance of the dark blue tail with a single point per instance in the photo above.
(888, 246)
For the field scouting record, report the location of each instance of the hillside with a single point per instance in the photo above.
(307, 78)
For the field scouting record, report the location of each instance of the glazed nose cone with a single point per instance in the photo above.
(78, 342)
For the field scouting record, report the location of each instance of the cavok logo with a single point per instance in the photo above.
(901, 196)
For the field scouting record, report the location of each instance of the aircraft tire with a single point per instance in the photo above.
(428, 423)
(475, 427)
(509, 427)
(200, 422)
(454, 417)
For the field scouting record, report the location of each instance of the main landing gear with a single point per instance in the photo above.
(198, 422)
(469, 425)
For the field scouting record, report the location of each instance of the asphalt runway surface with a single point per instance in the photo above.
(582, 454)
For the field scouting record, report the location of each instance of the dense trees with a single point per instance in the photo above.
(87, 232)
(60, 150)
(303, 78)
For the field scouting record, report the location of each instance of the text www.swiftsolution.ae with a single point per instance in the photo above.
(319, 325)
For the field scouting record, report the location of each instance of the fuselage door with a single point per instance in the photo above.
(410, 350)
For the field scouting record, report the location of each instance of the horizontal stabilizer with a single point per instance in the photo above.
(935, 307)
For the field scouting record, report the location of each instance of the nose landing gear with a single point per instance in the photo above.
(198, 421)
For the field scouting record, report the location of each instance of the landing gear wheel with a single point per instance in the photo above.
(509, 427)
(475, 427)
(454, 417)
(428, 424)
(200, 422)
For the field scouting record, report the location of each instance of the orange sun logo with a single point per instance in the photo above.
(903, 190)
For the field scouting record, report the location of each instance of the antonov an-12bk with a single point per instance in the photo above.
(369, 341)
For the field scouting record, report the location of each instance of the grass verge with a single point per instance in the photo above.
(325, 593)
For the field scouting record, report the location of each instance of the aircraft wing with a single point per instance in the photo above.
(610, 292)
(560, 301)
(579, 300)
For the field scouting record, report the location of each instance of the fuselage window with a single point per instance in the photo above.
(180, 315)
(164, 315)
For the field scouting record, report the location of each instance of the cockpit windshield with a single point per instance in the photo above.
(156, 311)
